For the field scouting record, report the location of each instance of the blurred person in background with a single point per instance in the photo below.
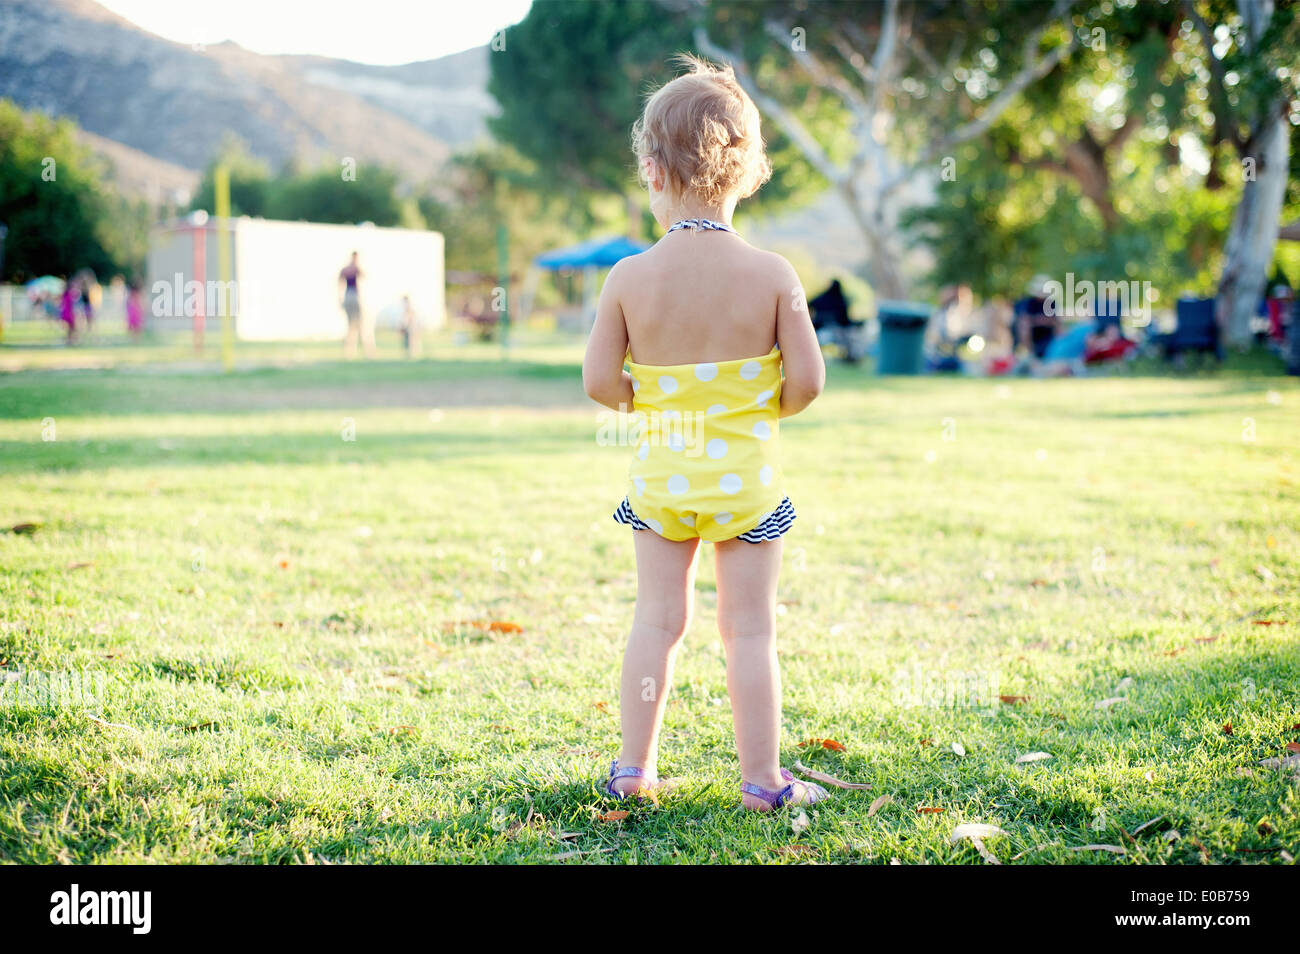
(1034, 328)
(350, 276)
(410, 328)
(134, 310)
(68, 309)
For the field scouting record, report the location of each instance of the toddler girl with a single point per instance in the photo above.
(706, 324)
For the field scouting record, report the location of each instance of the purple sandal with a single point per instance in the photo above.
(778, 798)
(615, 773)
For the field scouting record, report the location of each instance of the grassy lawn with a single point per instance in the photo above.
(280, 586)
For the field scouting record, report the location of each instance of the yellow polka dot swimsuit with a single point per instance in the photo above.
(705, 459)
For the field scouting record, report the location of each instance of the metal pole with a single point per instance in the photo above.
(503, 279)
(221, 186)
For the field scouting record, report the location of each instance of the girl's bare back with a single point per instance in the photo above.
(700, 296)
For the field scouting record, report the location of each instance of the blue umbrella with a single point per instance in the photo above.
(595, 253)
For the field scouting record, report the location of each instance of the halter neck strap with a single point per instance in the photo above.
(700, 225)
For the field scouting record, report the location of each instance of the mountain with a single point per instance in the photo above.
(175, 103)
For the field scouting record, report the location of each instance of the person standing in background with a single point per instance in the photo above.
(410, 328)
(134, 310)
(349, 280)
(68, 308)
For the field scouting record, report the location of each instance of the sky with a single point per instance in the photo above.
(369, 31)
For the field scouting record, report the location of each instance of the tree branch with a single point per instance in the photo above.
(1035, 68)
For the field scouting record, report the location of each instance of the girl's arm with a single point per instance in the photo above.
(603, 376)
(801, 355)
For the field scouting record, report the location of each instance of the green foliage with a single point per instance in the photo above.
(317, 195)
(573, 79)
(60, 214)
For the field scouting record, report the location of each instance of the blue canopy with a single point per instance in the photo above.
(601, 253)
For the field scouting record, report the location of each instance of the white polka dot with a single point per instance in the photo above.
(676, 442)
(763, 398)
(707, 371)
(643, 451)
(636, 385)
(750, 369)
(762, 430)
(730, 483)
(677, 484)
(765, 475)
(640, 486)
(655, 525)
(667, 384)
(717, 409)
(667, 417)
(716, 448)
(723, 517)
(689, 520)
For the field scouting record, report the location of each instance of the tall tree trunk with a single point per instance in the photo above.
(1248, 251)
(1252, 239)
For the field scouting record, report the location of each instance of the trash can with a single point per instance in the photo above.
(902, 331)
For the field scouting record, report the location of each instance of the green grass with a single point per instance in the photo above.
(279, 616)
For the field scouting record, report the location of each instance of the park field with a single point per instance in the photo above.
(315, 611)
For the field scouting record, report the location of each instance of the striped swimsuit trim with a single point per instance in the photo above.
(776, 525)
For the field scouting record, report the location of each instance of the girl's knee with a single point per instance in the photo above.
(747, 626)
(669, 623)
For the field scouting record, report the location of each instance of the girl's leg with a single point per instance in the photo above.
(665, 572)
(747, 576)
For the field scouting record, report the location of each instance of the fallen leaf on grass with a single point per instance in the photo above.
(959, 749)
(617, 816)
(974, 830)
(1171, 835)
(925, 742)
(81, 565)
(1293, 747)
(799, 822)
(1113, 849)
(1147, 824)
(1227, 728)
(1033, 757)
(795, 849)
(25, 528)
(404, 729)
(1269, 622)
(824, 743)
(1291, 762)
(1013, 700)
(112, 725)
(1206, 639)
(1107, 703)
(927, 810)
(484, 625)
(828, 779)
(201, 725)
(880, 802)
(602, 706)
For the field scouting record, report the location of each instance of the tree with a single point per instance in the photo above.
(572, 80)
(1247, 51)
(937, 74)
(60, 215)
(250, 181)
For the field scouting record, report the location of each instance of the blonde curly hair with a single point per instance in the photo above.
(704, 130)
